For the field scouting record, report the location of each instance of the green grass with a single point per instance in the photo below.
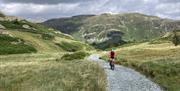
(16, 49)
(163, 72)
(34, 28)
(69, 46)
(49, 68)
(50, 44)
(75, 55)
(6, 38)
(73, 46)
(12, 24)
(160, 41)
(32, 73)
(12, 45)
(43, 39)
(36, 41)
(47, 36)
(160, 62)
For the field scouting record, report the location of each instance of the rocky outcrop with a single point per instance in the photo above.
(2, 31)
(26, 26)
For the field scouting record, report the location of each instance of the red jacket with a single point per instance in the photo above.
(112, 54)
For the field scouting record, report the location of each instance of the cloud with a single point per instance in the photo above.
(169, 1)
(43, 1)
(170, 10)
(46, 9)
(38, 11)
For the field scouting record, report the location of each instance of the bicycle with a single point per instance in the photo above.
(111, 63)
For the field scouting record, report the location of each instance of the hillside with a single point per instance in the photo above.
(37, 58)
(20, 36)
(158, 61)
(113, 29)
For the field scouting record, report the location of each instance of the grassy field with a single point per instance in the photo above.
(43, 60)
(38, 37)
(57, 44)
(159, 62)
(47, 72)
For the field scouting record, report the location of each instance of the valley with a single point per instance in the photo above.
(52, 56)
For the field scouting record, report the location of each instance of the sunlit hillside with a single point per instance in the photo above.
(158, 61)
(37, 58)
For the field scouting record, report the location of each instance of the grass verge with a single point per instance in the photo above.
(160, 62)
(50, 75)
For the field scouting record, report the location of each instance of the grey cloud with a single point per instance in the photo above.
(169, 1)
(168, 9)
(63, 8)
(44, 1)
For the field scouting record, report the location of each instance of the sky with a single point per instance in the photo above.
(40, 10)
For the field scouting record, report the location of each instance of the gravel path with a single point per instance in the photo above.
(125, 79)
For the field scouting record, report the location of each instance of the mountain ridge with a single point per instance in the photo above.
(98, 29)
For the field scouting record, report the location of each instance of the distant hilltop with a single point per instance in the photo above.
(99, 29)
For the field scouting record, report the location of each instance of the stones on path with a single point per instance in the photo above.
(125, 79)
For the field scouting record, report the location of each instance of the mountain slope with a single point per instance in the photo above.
(20, 36)
(107, 27)
(67, 25)
(58, 65)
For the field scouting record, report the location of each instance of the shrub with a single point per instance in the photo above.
(16, 49)
(11, 45)
(159, 41)
(7, 38)
(176, 38)
(70, 47)
(47, 36)
(12, 24)
(16, 22)
(73, 56)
